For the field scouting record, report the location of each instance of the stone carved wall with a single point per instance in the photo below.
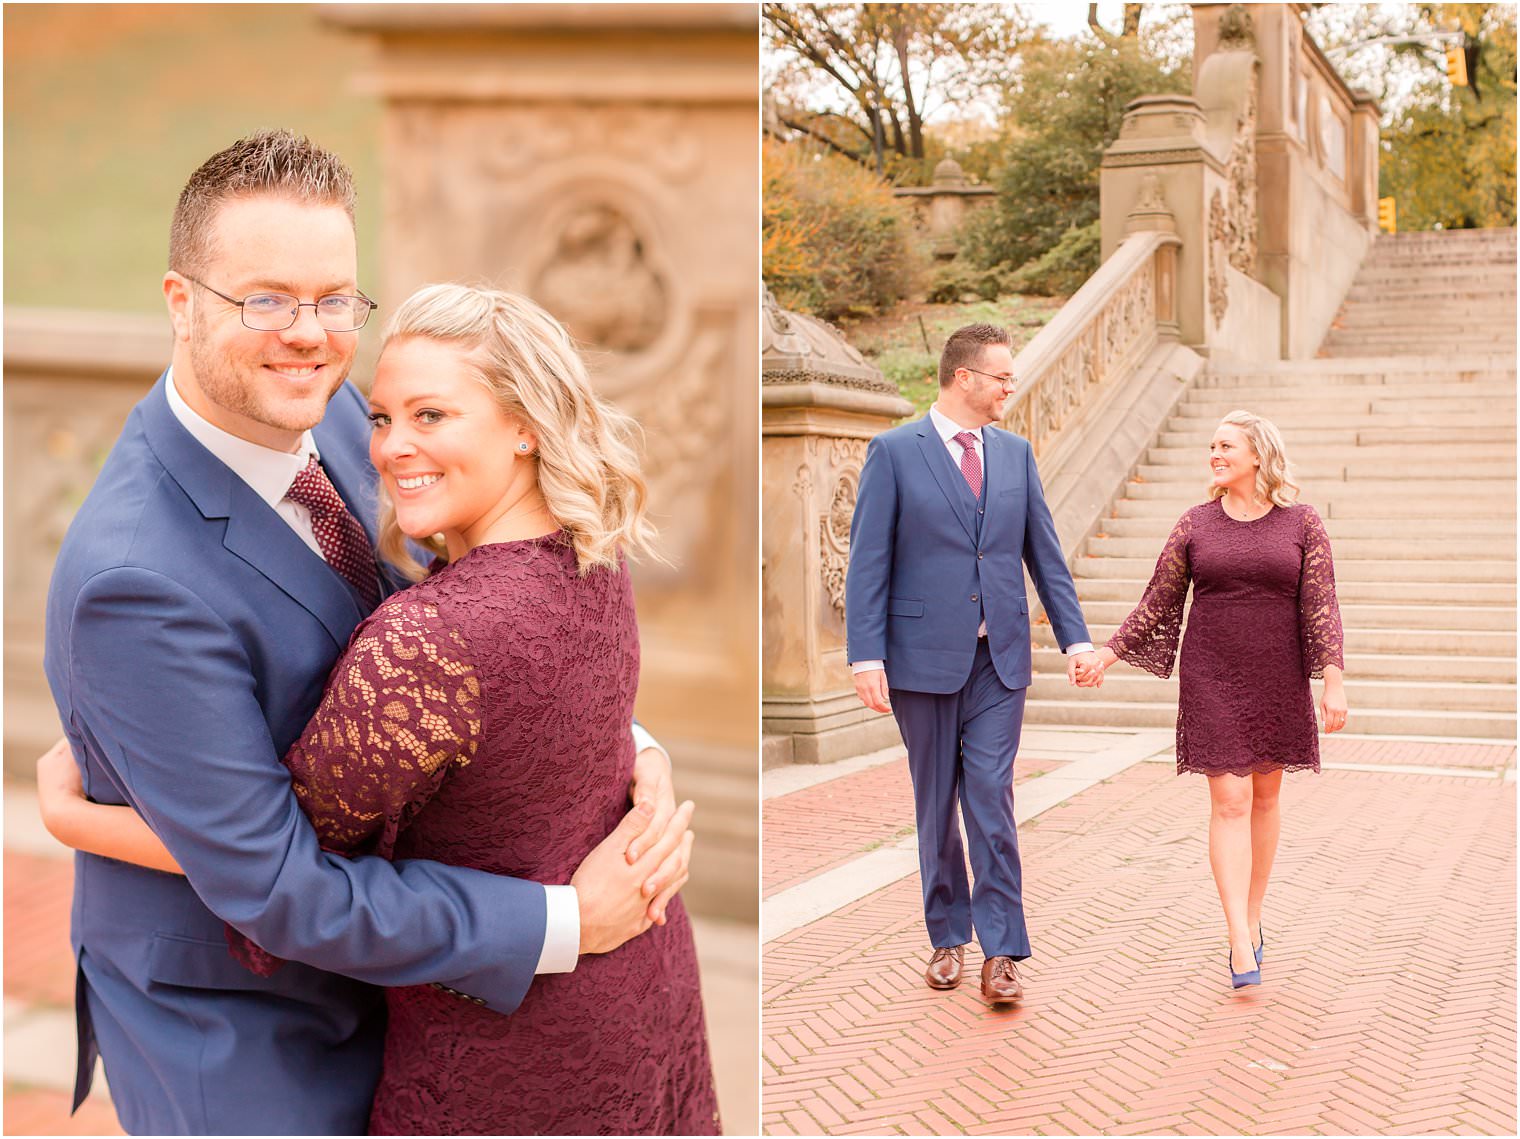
(601, 160)
(581, 208)
(1218, 258)
(846, 456)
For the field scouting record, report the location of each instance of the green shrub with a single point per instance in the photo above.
(959, 280)
(1065, 267)
(834, 241)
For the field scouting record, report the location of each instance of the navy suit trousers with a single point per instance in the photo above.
(961, 746)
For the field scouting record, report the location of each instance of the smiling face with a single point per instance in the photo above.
(984, 396)
(1233, 462)
(450, 458)
(266, 387)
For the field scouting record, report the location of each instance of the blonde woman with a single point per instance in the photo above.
(480, 718)
(1264, 621)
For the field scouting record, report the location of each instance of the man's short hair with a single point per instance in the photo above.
(965, 345)
(275, 162)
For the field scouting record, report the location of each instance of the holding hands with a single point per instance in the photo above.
(1085, 670)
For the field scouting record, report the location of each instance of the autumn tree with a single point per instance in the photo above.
(1064, 112)
(1448, 151)
(861, 79)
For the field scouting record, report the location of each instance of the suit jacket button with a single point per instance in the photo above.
(979, 555)
(973, 597)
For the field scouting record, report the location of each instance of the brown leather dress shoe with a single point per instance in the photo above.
(1000, 981)
(944, 971)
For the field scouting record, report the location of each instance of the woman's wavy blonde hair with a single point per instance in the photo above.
(1274, 477)
(588, 464)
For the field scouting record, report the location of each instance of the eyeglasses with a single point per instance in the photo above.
(275, 312)
(1008, 382)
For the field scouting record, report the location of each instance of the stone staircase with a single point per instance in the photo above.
(1403, 438)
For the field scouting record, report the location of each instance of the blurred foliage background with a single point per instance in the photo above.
(875, 95)
(109, 108)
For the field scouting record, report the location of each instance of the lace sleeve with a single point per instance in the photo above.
(403, 707)
(1149, 637)
(1319, 613)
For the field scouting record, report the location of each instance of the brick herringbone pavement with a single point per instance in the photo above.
(860, 811)
(1388, 1004)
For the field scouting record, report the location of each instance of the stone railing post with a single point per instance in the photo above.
(821, 404)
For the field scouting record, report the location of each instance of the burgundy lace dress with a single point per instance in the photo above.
(480, 719)
(1264, 620)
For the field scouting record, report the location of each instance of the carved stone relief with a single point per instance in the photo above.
(1242, 218)
(1219, 231)
(600, 282)
(834, 525)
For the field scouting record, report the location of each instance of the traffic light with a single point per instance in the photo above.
(1388, 220)
(1456, 64)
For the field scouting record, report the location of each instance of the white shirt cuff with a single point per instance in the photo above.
(868, 666)
(562, 930)
(1079, 647)
(642, 739)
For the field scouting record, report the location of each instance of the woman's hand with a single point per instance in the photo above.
(60, 787)
(1332, 705)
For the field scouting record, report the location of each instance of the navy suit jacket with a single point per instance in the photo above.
(927, 560)
(189, 637)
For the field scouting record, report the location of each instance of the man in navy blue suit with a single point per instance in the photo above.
(195, 610)
(948, 514)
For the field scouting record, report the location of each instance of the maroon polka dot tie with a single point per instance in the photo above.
(342, 540)
(971, 466)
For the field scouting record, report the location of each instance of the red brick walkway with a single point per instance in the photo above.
(1388, 1005)
(39, 976)
(814, 830)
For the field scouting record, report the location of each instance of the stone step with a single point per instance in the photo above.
(1450, 313)
(1348, 409)
(1373, 381)
(1340, 499)
(1190, 416)
(1303, 454)
(1402, 548)
(1077, 707)
(1456, 294)
(1450, 275)
(1434, 593)
(1198, 436)
(1354, 467)
(1397, 327)
(1157, 526)
(1358, 615)
(1448, 644)
(1375, 665)
(1131, 686)
(1441, 387)
(1411, 342)
(1390, 365)
(1346, 569)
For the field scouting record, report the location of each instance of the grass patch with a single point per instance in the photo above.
(905, 341)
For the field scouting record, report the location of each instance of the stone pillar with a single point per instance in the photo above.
(1159, 165)
(1316, 148)
(941, 207)
(1366, 119)
(821, 404)
(601, 158)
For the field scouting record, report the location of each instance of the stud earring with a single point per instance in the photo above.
(523, 447)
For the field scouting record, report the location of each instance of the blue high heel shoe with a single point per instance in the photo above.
(1241, 980)
(1262, 938)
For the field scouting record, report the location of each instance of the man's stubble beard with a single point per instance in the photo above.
(219, 384)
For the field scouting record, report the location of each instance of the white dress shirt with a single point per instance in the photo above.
(948, 429)
(269, 473)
